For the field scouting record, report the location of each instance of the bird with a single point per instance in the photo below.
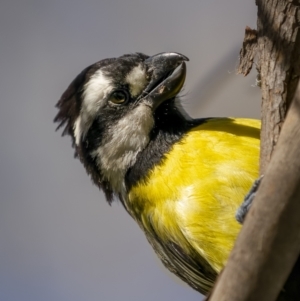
(180, 178)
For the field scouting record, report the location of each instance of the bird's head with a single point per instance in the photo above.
(112, 107)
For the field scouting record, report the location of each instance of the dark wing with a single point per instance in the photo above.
(197, 273)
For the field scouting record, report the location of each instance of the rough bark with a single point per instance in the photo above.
(269, 243)
(276, 43)
(278, 52)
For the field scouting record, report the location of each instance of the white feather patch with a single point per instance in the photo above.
(77, 130)
(124, 141)
(137, 80)
(95, 90)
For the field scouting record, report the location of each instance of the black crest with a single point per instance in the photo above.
(69, 105)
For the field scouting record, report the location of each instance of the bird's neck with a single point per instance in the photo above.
(171, 123)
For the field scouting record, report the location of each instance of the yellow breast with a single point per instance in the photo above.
(192, 196)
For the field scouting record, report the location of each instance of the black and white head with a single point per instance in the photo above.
(115, 108)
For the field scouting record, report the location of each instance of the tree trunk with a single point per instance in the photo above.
(269, 243)
(278, 50)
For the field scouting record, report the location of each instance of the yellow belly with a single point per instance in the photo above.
(192, 196)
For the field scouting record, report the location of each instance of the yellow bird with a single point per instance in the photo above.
(181, 179)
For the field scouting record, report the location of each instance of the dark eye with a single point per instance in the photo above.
(119, 97)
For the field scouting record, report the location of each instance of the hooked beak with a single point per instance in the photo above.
(168, 75)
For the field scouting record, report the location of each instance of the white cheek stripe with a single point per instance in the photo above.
(124, 141)
(95, 90)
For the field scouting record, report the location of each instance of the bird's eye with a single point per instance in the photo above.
(119, 97)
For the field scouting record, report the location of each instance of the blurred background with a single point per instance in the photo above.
(59, 239)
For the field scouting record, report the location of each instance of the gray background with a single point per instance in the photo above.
(59, 240)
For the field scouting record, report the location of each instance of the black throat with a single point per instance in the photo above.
(170, 126)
